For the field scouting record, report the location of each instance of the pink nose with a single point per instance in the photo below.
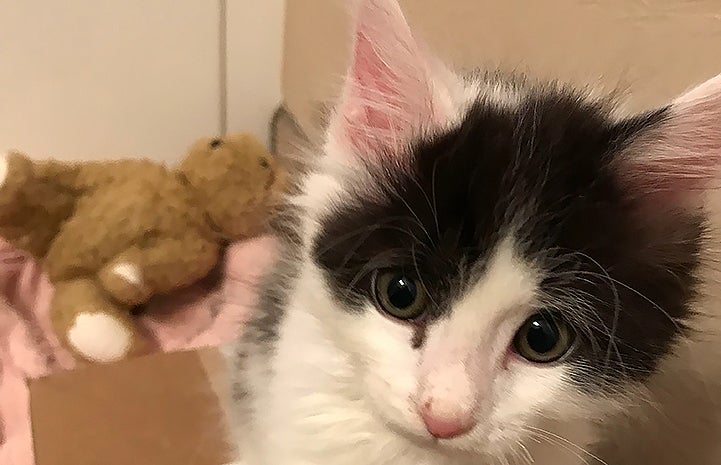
(446, 425)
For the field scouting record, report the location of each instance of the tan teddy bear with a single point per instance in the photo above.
(113, 234)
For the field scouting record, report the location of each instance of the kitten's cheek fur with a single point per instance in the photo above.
(390, 371)
(525, 388)
(379, 349)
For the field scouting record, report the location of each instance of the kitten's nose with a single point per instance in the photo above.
(446, 423)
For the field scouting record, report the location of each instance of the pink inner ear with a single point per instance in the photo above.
(680, 157)
(388, 94)
(371, 119)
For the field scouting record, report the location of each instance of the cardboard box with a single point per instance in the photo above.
(157, 410)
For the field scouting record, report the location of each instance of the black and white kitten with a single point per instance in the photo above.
(480, 271)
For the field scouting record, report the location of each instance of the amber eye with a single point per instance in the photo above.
(400, 295)
(544, 338)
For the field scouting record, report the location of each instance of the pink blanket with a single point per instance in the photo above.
(207, 314)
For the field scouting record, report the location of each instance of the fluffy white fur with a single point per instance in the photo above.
(348, 388)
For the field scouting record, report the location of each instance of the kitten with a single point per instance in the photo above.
(489, 271)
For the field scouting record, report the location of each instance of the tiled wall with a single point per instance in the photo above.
(91, 79)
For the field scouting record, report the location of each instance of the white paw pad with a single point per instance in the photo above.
(3, 168)
(129, 272)
(100, 337)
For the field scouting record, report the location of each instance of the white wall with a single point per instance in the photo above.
(90, 79)
(255, 44)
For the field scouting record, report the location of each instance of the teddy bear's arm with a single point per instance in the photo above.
(162, 266)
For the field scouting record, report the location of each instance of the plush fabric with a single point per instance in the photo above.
(207, 314)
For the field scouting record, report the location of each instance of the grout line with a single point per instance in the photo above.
(223, 66)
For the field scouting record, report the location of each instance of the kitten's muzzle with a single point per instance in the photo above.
(445, 424)
(447, 399)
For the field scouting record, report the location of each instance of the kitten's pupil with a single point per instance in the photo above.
(402, 292)
(542, 336)
(399, 295)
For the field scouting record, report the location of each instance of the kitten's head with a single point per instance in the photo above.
(495, 253)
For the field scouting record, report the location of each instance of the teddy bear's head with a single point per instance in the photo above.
(237, 180)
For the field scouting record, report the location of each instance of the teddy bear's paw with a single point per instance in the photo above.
(100, 337)
(129, 272)
(124, 281)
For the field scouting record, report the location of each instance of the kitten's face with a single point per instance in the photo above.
(496, 255)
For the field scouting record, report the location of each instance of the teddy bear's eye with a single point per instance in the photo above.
(264, 163)
(215, 143)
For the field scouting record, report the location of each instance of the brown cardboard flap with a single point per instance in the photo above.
(154, 410)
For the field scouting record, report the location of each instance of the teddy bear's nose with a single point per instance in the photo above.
(215, 143)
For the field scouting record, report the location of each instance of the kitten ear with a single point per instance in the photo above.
(678, 155)
(388, 94)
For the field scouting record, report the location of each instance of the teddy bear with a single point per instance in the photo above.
(113, 234)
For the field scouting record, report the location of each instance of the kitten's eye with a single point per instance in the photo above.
(399, 295)
(543, 338)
